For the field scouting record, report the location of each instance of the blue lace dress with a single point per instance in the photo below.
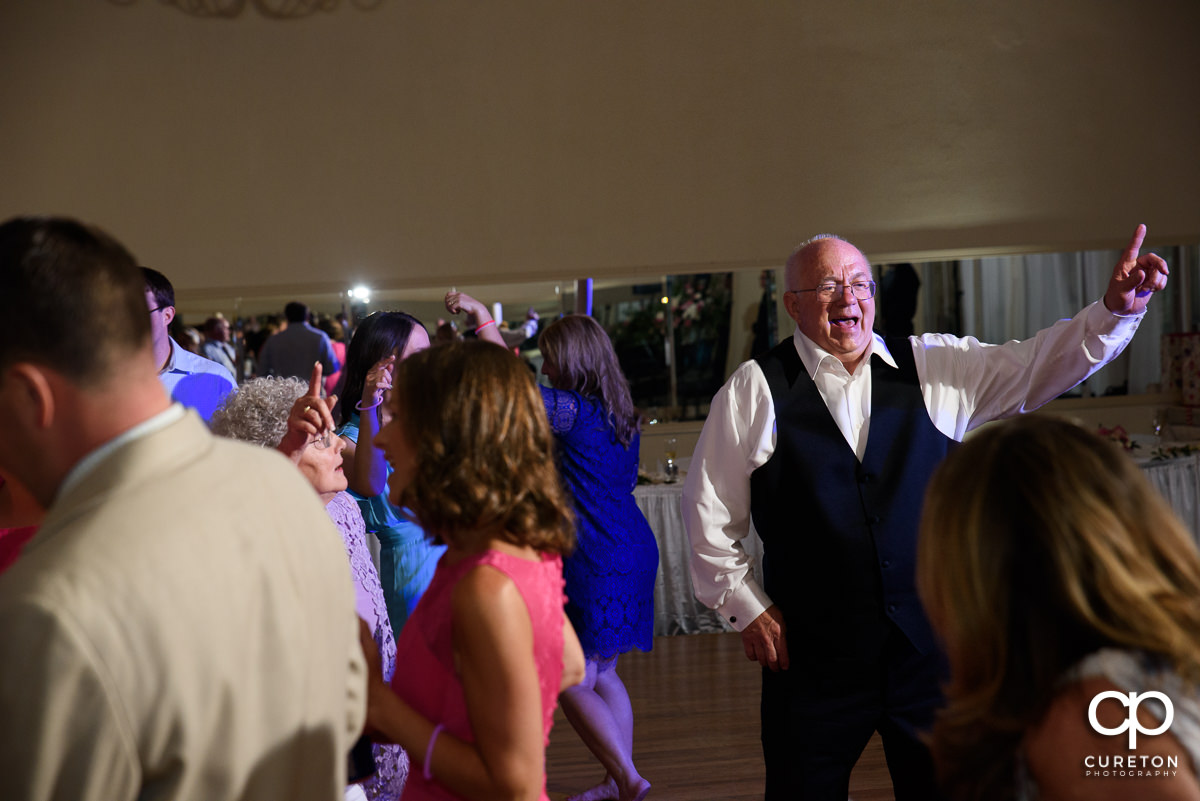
(610, 576)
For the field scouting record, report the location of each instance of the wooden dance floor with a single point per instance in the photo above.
(695, 734)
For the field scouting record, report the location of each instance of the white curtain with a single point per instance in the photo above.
(1013, 297)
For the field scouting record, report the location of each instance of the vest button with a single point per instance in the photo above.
(892, 609)
(865, 478)
(886, 563)
(873, 519)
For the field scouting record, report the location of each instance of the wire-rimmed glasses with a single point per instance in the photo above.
(826, 292)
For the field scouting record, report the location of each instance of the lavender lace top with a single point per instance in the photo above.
(391, 762)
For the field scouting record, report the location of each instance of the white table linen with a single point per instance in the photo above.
(1179, 482)
(676, 610)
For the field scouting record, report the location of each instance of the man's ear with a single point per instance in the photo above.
(791, 304)
(30, 397)
(168, 313)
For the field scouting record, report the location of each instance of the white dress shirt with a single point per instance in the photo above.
(965, 383)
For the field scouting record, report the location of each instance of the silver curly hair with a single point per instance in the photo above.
(257, 412)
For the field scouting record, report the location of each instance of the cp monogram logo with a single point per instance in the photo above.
(1131, 723)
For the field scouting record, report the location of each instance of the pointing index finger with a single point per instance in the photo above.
(314, 381)
(1135, 245)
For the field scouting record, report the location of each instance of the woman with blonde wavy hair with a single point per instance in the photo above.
(488, 648)
(1054, 572)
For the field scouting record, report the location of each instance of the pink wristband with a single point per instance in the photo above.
(482, 326)
(362, 408)
(427, 768)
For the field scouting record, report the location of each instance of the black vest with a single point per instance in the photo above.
(840, 537)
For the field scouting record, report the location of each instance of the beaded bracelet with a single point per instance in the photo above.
(482, 326)
(427, 768)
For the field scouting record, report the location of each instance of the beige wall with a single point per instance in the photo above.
(437, 142)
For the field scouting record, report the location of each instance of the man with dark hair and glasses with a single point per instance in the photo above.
(826, 443)
(190, 379)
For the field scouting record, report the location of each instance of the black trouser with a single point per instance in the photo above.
(818, 716)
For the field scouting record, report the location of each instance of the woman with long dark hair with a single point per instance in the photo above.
(407, 559)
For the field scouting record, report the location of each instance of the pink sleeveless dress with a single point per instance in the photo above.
(428, 680)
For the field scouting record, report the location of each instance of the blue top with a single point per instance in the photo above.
(610, 576)
(407, 559)
(196, 382)
(378, 513)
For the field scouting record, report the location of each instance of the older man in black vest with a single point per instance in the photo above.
(827, 442)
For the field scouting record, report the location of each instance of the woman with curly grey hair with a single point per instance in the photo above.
(289, 415)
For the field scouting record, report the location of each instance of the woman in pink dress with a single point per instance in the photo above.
(488, 648)
(337, 338)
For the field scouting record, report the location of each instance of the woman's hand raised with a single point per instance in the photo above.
(310, 416)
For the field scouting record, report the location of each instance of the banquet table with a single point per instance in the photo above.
(676, 610)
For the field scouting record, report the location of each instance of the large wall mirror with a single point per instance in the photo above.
(680, 336)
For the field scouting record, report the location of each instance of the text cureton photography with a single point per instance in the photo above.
(1132, 765)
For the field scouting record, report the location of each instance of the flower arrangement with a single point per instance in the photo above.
(700, 307)
(1119, 435)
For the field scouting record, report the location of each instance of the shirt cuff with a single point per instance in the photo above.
(1099, 316)
(744, 604)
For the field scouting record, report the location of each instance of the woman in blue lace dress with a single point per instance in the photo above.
(610, 576)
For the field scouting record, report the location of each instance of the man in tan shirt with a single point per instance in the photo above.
(156, 643)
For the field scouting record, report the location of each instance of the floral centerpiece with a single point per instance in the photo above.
(1119, 435)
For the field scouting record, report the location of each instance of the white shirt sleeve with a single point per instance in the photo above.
(967, 383)
(738, 437)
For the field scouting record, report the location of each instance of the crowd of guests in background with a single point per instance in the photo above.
(237, 345)
(443, 456)
(158, 643)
